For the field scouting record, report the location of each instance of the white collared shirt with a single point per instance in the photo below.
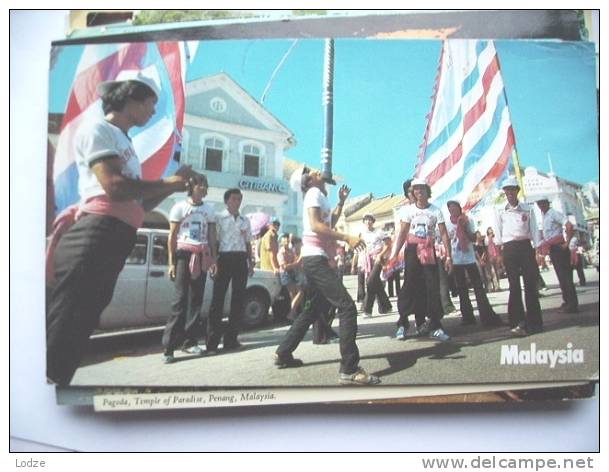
(233, 232)
(516, 224)
(553, 222)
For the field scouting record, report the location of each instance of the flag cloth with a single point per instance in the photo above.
(156, 142)
(469, 140)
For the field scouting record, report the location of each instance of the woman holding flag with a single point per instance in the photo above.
(85, 263)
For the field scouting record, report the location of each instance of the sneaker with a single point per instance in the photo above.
(196, 350)
(400, 334)
(168, 359)
(359, 377)
(283, 362)
(440, 335)
(367, 315)
(519, 331)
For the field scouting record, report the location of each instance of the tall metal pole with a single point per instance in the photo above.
(328, 105)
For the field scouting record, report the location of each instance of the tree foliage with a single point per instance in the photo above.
(151, 17)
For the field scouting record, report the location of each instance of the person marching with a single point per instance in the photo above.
(85, 260)
(319, 245)
(373, 258)
(517, 234)
(191, 247)
(461, 233)
(418, 224)
(235, 264)
(557, 246)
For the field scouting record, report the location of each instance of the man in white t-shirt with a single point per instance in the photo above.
(418, 223)
(461, 233)
(319, 247)
(191, 247)
(373, 256)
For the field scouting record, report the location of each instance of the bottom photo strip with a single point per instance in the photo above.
(105, 399)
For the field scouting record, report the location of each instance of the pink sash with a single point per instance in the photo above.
(459, 222)
(546, 244)
(425, 249)
(328, 245)
(392, 266)
(129, 212)
(493, 252)
(200, 259)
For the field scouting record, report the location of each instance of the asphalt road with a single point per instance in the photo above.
(472, 356)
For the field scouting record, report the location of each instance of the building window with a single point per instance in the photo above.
(213, 154)
(251, 160)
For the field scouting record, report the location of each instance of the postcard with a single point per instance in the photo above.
(134, 125)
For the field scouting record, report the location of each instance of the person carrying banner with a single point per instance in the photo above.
(461, 233)
(84, 263)
(556, 245)
(418, 224)
(319, 245)
(517, 234)
(191, 247)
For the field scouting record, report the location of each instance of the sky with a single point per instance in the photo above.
(383, 92)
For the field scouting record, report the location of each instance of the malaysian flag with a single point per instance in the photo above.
(469, 140)
(157, 142)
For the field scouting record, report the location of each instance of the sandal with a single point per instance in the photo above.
(359, 377)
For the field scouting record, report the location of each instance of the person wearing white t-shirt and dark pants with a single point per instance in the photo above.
(319, 246)
(418, 224)
(461, 233)
(84, 262)
(191, 246)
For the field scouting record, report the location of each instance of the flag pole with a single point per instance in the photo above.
(328, 105)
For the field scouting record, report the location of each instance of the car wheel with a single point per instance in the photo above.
(255, 308)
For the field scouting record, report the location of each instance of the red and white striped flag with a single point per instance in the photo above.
(469, 140)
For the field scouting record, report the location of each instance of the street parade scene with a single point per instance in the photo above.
(280, 213)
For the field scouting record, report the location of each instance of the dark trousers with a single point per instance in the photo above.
(580, 270)
(420, 293)
(88, 260)
(324, 283)
(392, 281)
(445, 285)
(561, 260)
(232, 267)
(484, 307)
(361, 285)
(184, 324)
(519, 258)
(376, 291)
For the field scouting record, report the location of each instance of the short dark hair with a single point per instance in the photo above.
(116, 98)
(406, 186)
(231, 191)
(202, 179)
(285, 235)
